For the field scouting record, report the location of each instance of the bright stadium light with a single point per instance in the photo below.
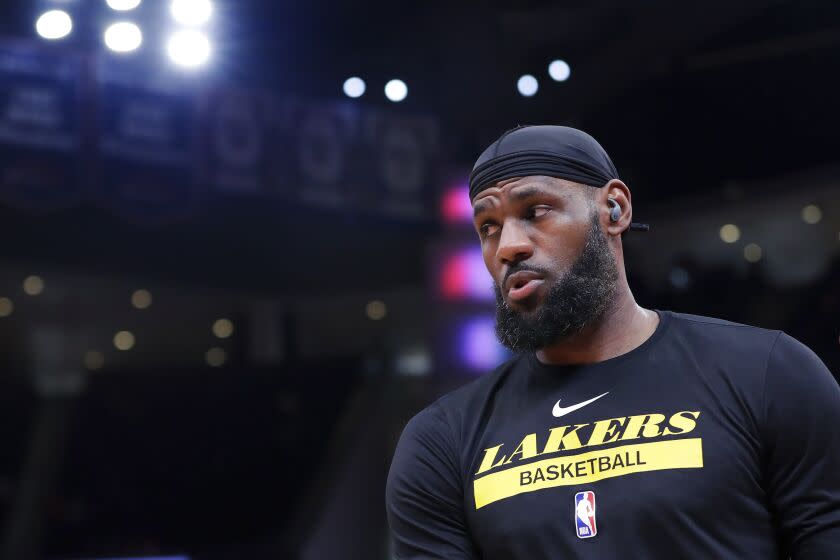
(123, 37)
(527, 85)
(730, 233)
(124, 340)
(54, 24)
(559, 70)
(123, 5)
(812, 214)
(215, 357)
(33, 285)
(188, 48)
(354, 87)
(396, 90)
(191, 12)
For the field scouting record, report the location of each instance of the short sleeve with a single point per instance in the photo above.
(424, 495)
(802, 435)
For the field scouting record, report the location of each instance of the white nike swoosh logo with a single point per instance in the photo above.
(560, 411)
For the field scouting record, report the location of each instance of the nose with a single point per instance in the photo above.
(514, 244)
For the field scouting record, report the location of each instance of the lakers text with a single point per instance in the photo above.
(593, 465)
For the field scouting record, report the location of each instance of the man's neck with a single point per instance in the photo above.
(622, 328)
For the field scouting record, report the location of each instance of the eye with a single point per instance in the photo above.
(538, 211)
(487, 229)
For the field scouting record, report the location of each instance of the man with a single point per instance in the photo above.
(616, 431)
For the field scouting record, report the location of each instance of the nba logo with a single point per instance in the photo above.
(585, 515)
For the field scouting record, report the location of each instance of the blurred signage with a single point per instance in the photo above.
(150, 146)
(455, 207)
(146, 149)
(322, 154)
(463, 307)
(461, 274)
(322, 147)
(40, 133)
(239, 127)
(465, 343)
(404, 149)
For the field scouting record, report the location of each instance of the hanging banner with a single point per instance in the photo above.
(238, 125)
(40, 132)
(146, 146)
(315, 147)
(405, 165)
(343, 156)
(150, 145)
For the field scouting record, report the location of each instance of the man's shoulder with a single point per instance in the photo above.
(698, 320)
(722, 329)
(733, 346)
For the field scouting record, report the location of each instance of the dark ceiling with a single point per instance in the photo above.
(686, 97)
(649, 79)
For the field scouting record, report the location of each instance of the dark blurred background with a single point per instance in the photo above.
(229, 273)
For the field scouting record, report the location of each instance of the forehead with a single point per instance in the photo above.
(522, 187)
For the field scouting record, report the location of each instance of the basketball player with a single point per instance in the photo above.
(616, 431)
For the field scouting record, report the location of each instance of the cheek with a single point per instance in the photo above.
(562, 240)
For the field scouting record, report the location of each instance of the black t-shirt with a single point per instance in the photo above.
(710, 440)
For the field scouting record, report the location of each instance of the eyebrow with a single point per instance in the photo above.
(526, 192)
(481, 206)
(518, 195)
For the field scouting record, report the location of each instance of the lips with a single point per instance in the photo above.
(522, 284)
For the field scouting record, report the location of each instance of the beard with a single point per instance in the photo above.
(576, 300)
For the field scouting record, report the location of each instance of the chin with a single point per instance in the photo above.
(528, 306)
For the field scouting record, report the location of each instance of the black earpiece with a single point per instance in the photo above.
(615, 210)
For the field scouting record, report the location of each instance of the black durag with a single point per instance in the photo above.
(549, 150)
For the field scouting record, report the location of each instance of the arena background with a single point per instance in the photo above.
(228, 277)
